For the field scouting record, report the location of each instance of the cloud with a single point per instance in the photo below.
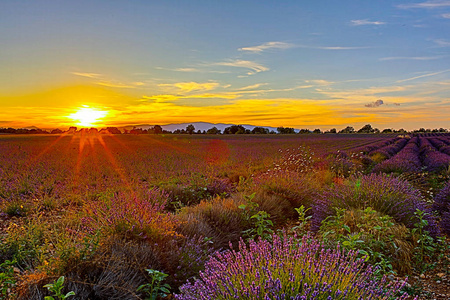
(422, 76)
(319, 82)
(442, 43)
(192, 86)
(445, 16)
(427, 4)
(253, 66)
(337, 48)
(267, 46)
(410, 58)
(251, 87)
(88, 75)
(366, 22)
(377, 103)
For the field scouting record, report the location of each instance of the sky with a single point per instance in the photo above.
(303, 64)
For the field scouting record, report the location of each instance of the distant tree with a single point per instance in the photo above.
(443, 130)
(72, 130)
(113, 130)
(56, 131)
(248, 131)
(387, 130)
(348, 129)
(234, 129)
(260, 130)
(93, 130)
(272, 132)
(213, 130)
(177, 131)
(333, 130)
(317, 130)
(157, 129)
(285, 130)
(304, 131)
(199, 131)
(376, 130)
(190, 129)
(366, 129)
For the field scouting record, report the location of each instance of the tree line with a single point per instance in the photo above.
(233, 129)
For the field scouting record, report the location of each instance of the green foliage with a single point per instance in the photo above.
(428, 251)
(16, 209)
(7, 280)
(302, 220)
(378, 238)
(259, 219)
(56, 288)
(155, 288)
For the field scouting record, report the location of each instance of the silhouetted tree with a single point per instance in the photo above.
(157, 129)
(285, 130)
(387, 130)
(348, 129)
(113, 130)
(190, 129)
(366, 129)
(56, 131)
(303, 131)
(317, 130)
(234, 129)
(260, 130)
(213, 130)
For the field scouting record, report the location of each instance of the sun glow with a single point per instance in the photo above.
(87, 116)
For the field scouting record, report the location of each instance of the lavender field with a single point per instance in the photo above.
(313, 216)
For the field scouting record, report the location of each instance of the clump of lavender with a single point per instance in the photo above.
(388, 195)
(442, 205)
(287, 269)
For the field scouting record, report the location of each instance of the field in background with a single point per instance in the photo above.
(101, 209)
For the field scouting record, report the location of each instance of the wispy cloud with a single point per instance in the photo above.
(366, 22)
(253, 66)
(423, 76)
(319, 82)
(442, 43)
(267, 46)
(88, 75)
(445, 16)
(251, 87)
(187, 87)
(410, 58)
(426, 4)
(377, 103)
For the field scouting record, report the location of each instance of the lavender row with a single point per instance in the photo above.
(432, 159)
(407, 160)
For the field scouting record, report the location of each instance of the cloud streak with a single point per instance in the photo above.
(426, 4)
(422, 76)
(267, 46)
(366, 22)
(253, 66)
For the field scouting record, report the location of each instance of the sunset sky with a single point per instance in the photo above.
(303, 64)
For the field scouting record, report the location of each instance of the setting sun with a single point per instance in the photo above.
(87, 116)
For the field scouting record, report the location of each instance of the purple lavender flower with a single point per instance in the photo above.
(287, 269)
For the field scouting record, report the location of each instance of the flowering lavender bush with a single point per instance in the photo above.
(287, 269)
(433, 159)
(442, 205)
(387, 195)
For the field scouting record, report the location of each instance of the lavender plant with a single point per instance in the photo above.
(288, 269)
(387, 195)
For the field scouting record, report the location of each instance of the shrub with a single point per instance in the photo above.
(387, 195)
(132, 217)
(219, 219)
(287, 269)
(386, 243)
(442, 199)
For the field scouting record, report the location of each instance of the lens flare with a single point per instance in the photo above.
(87, 116)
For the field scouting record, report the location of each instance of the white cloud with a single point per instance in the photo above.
(446, 16)
(267, 46)
(366, 22)
(88, 75)
(427, 4)
(253, 66)
(442, 43)
(422, 76)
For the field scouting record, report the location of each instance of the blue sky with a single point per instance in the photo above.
(304, 64)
